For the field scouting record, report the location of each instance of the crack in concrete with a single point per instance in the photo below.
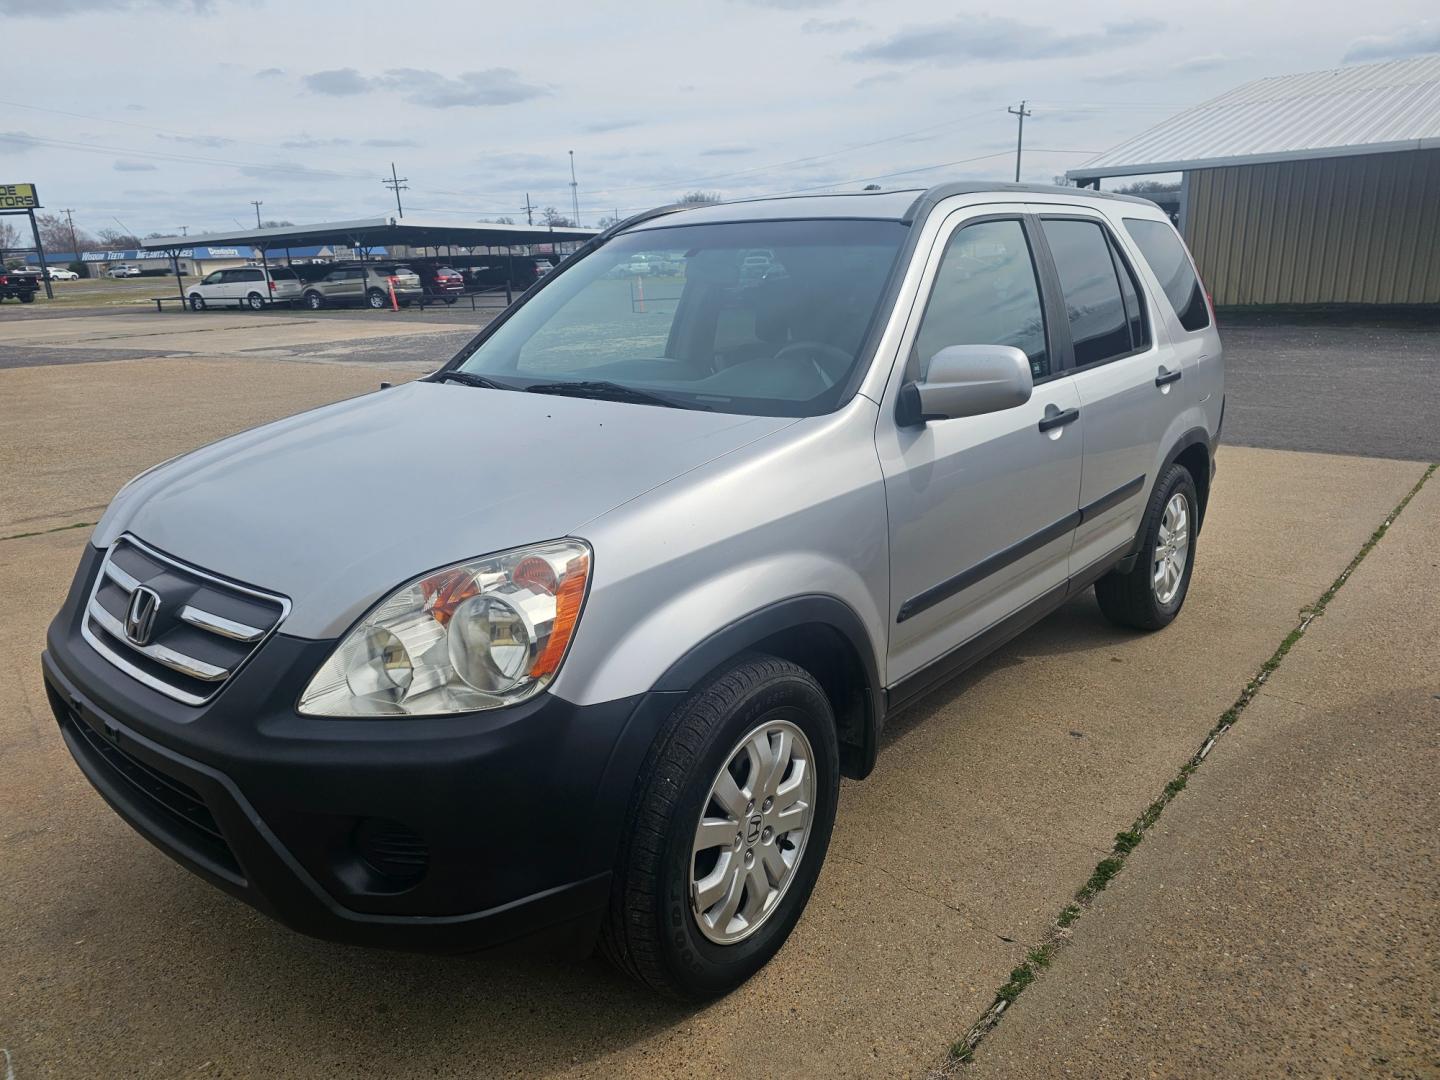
(1039, 958)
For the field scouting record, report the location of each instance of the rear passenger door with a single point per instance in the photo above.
(1124, 385)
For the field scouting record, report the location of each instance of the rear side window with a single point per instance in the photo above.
(1165, 253)
(1099, 328)
(283, 275)
(985, 293)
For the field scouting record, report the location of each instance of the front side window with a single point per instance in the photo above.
(1163, 251)
(214, 278)
(985, 293)
(680, 313)
(1099, 329)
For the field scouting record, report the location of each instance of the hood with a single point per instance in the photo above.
(337, 507)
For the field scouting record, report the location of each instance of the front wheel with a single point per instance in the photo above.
(1151, 594)
(256, 301)
(376, 299)
(727, 833)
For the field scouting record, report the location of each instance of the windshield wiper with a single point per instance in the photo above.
(468, 379)
(610, 391)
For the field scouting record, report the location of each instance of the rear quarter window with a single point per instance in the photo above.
(1166, 257)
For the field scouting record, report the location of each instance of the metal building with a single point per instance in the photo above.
(1319, 188)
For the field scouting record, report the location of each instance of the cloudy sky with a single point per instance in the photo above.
(164, 113)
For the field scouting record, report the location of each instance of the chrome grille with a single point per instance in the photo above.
(201, 630)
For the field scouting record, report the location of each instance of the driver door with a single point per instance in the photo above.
(982, 509)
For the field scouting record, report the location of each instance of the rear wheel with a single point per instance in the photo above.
(727, 832)
(256, 301)
(27, 298)
(449, 299)
(197, 302)
(314, 301)
(1152, 593)
(376, 299)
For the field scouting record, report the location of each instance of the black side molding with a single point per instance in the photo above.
(1001, 559)
(983, 569)
(1114, 498)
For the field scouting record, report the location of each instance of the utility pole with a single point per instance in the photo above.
(574, 191)
(529, 210)
(74, 244)
(397, 184)
(257, 203)
(1021, 112)
(184, 230)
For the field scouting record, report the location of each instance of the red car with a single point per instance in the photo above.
(439, 280)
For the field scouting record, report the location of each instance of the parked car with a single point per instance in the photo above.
(438, 279)
(245, 286)
(490, 272)
(59, 273)
(367, 284)
(123, 271)
(580, 632)
(19, 285)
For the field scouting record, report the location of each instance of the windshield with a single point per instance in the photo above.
(764, 318)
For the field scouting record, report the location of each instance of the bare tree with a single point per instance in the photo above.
(276, 224)
(551, 216)
(115, 240)
(1149, 187)
(55, 234)
(9, 236)
(698, 198)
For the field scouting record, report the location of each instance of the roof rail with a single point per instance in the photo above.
(931, 196)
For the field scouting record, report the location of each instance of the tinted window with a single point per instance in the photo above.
(215, 278)
(985, 293)
(250, 275)
(1099, 329)
(1165, 253)
(283, 275)
(1130, 291)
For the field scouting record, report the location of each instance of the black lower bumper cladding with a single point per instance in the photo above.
(444, 834)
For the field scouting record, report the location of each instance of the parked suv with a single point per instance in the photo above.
(245, 286)
(367, 284)
(581, 632)
(438, 279)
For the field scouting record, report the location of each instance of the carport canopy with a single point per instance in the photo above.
(365, 234)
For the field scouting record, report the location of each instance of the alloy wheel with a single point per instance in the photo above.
(752, 831)
(1172, 549)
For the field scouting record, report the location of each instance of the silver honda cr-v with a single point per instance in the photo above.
(578, 634)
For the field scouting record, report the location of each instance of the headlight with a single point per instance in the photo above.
(479, 635)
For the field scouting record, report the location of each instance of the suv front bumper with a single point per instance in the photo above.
(444, 834)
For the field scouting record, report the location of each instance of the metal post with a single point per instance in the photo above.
(509, 275)
(40, 251)
(179, 285)
(265, 269)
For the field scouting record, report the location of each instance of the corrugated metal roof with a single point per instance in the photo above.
(1353, 110)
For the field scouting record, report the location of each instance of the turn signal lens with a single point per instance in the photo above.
(480, 635)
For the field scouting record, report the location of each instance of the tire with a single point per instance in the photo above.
(197, 303)
(450, 300)
(314, 301)
(652, 932)
(255, 301)
(27, 298)
(376, 299)
(1138, 599)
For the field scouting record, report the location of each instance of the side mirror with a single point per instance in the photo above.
(967, 380)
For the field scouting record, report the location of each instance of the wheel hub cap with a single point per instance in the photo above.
(752, 832)
(1172, 549)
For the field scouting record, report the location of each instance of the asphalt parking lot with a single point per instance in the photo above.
(118, 962)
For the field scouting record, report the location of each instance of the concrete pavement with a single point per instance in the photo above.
(993, 799)
(1283, 916)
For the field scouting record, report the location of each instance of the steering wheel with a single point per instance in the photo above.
(817, 352)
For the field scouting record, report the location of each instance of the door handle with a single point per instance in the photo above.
(1059, 419)
(1167, 377)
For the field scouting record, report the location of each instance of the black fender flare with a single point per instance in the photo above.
(708, 656)
(1196, 436)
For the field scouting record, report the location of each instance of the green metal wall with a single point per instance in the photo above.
(1343, 230)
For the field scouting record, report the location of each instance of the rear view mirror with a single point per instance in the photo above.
(967, 380)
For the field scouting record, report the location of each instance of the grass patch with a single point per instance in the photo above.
(962, 1051)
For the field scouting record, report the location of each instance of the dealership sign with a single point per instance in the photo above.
(18, 197)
